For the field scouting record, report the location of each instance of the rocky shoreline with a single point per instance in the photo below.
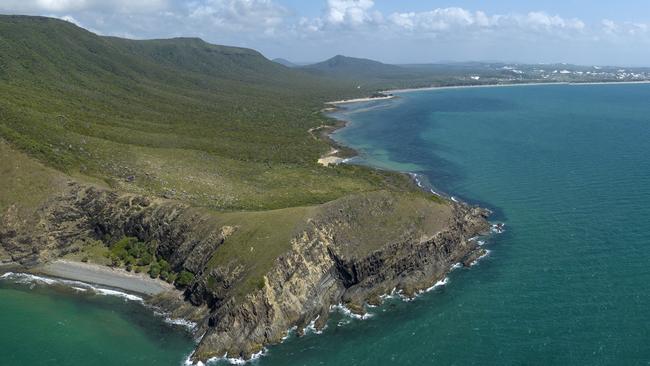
(328, 263)
(348, 253)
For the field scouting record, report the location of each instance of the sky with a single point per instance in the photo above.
(588, 32)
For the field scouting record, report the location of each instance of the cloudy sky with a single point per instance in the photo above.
(397, 31)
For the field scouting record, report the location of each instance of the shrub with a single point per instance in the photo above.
(130, 261)
(145, 259)
(164, 266)
(154, 270)
(164, 275)
(184, 278)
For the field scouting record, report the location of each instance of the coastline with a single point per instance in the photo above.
(94, 274)
(340, 153)
(410, 90)
(359, 100)
(448, 87)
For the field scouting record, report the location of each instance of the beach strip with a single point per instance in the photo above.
(104, 276)
(410, 90)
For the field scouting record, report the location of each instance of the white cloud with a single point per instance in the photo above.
(456, 22)
(71, 19)
(609, 26)
(344, 26)
(541, 20)
(344, 14)
(68, 6)
(229, 19)
(624, 29)
(238, 14)
(350, 12)
(458, 19)
(439, 20)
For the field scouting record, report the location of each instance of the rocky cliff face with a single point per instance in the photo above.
(333, 258)
(315, 275)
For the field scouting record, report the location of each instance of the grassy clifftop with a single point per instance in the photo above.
(215, 126)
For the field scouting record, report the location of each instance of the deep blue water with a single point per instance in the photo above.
(568, 169)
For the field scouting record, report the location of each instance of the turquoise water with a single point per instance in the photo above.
(57, 326)
(566, 167)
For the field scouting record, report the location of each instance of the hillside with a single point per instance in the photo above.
(284, 62)
(356, 68)
(214, 126)
(197, 164)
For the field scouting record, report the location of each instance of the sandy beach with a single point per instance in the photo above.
(358, 100)
(409, 90)
(104, 276)
(330, 158)
(510, 85)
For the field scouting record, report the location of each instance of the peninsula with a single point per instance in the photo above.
(197, 166)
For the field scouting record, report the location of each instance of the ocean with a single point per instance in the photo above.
(566, 167)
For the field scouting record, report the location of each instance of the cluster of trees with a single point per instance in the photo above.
(138, 256)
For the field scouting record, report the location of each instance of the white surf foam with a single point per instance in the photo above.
(498, 228)
(233, 361)
(26, 278)
(311, 327)
(124, 295)
(438, 284)
(31, 279)
(347, 312)
(487, 252)
(290, 332)
(189, 325)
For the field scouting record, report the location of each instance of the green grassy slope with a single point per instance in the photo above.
(214, 126)
(374, 75)
(351, 67)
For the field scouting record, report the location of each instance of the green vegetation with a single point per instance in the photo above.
(260, 238)
(344, 67)
(214, 126)
(138, 256)
(376, 218)
(184, 278)
(24, 181)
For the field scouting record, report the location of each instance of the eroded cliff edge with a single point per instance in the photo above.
(249, 288)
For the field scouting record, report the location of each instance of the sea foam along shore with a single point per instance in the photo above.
(231, 360)
(33, 279)
(359, 100)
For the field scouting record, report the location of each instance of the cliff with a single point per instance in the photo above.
(349, 251)
(257, 237)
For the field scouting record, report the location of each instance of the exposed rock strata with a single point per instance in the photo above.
(323, 267)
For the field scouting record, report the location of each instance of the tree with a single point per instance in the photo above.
(184, 278)
(154, 270)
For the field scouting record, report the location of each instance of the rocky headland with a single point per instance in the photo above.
(349, 251)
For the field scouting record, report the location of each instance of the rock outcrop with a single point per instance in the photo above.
(349, 251)
(315, 275)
